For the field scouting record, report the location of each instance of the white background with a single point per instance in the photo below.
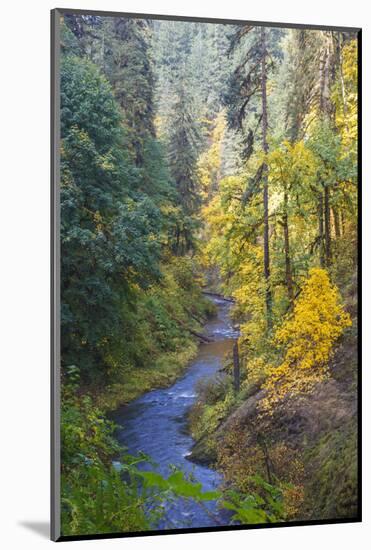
(24, 272)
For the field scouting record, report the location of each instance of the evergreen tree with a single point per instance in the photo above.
(247, 83)
(106, 229)
(183, 142)
(128, 66)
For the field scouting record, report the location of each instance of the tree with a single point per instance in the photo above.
(86, 29)
(345, 93)
(182, 156)
(129, 69)
(308, 336)
(248, 81)
(292, 175)
(210, 160)
(318, 93)
(106, 229)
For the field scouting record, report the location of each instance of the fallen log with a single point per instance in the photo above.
(202, 337)
(199, 335)
(216, 295)
(200, 321)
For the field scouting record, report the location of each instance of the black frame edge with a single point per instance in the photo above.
(359, 271)
(150, 533)
(55, 280)
(165, 17)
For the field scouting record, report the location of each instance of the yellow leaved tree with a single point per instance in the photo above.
(345, 96)
(307, 336)
(209, 163)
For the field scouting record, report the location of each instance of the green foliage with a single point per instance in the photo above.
(332, 488)
(183, 142)
(106, 230)
(157, 343)
(248, 53)
(206, 417)
(130, 72)
(253, 508)
(179, 486)
(126, 306)
(157, 320)
(95, 498)
(103, 489)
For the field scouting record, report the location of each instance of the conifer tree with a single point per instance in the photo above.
(183, 154)
(106, 228)
(248, 85)
(128, 66)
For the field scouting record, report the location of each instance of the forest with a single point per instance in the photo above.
(205, 164)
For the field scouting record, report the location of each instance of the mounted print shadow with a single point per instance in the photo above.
(204, 286)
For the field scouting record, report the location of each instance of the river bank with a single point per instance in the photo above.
(311, 443)
(164, 371)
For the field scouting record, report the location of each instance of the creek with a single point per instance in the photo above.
(156, 424)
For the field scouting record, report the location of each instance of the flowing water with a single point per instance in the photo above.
(156, 424)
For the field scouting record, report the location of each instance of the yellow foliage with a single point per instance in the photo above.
(292, 164)
(220, 218)
(209, 163)
(308, 336)
(239, 256)
(256, 369)
(293, 498)
(345, 96)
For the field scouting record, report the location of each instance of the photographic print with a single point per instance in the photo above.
(205, 368)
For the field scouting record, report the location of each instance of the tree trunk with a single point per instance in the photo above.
(268, 293)
(267, 460)
(236, 367)
(289, 281)
(326, 66)
(342, 82)
(327, 109)
(103, 61)
(327, 227)
(320, 230)
(342, 222)
(177, 246)
(335, 213)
